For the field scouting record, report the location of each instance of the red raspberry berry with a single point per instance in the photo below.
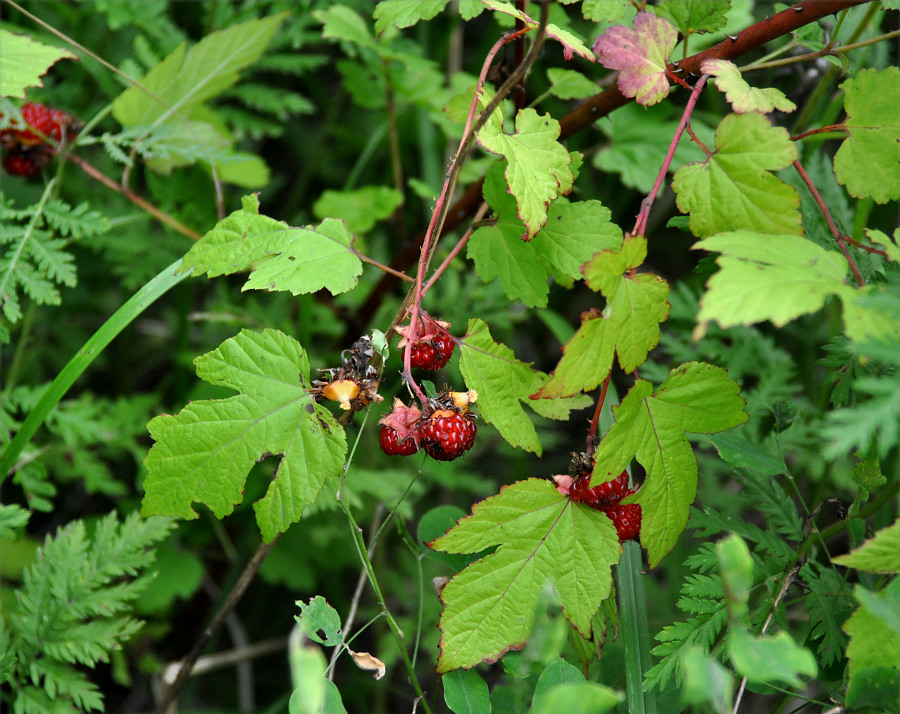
(447, 435)
(17, 163)
(393, 445)
(432, 354)
(49, 122)
(602, 495)
(626, 518)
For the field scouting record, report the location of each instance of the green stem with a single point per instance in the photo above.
(19, 357)
(634, 629)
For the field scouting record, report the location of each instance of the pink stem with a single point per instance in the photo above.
(456, 249)
(641, 224)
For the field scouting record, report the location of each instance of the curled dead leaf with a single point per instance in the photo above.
(369, 663)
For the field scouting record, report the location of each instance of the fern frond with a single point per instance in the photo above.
(767, 495)
(280, 103)
(78, 222)
(829, 604)
(294, 63)
(677, 639)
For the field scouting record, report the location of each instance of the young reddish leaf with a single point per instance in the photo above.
(538, 166)
(640, 54)
(696, 398)
(742, 97)
(543, 537)
(868, 162)
(734, 187)
(628, 326)
(205, 452)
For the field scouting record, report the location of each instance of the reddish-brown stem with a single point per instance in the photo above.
(456, 249)
(835, 233)
(592, 433)
(821, 130)
(641, 224)
(133, 197)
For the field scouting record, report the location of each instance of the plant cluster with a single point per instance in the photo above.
(659, 469)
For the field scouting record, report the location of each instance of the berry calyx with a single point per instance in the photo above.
(399, 435)
(447, 434)
(626, 518)
(343, 391)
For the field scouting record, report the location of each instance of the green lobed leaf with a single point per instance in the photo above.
(574, 232)
(205, 453)
(543, 537)
(691, 16)
(569, 84)
(734, 186)
(762, 277)
(360, 208)
(24, 61)
(828, 604)
(405, 13)
(705, 680)
(868, 161)
(872, 644)
(742, 97)
(187, 78)
(341, 22)
(502, 383)
(770, 658)
(628, 326)
(538, 166)
(874, 689)
(695, 398)
(301, 260)
(879, 554)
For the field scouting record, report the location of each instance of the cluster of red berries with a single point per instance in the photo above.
(25, 148)
(433, 346)
(605, 497)
(445, 432)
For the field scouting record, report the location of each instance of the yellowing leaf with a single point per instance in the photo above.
(742, 96)
(543, 537)
(640, 53)
(733, 187)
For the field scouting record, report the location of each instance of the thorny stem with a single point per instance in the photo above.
(133, 197)
(835, 233)
(641, 224)
(456, 249)
(592, 433)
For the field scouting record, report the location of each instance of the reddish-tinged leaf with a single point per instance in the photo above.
(639, 53)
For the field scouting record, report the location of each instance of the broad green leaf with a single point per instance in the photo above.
(360, 208)
(879, 554)
(872, 644)
(705, 680)
(628, 326)
(874, 689)
(502, 383)
(320, 621)
(543, 537)
(695, 398)
(868, 162)
(574, 232)
(578, 698)
(205, 453)
(763, 277)
(187, 78)
(405, 13)
(738, 451)
(341, 22)
(538, 166)
(639, 53)
(691, 16)
(301, 260)
(554, 674)
(24, 61)
(499, 252)
(770, 658)
(569, 84)
(884, 605)
(734, 186)
(742, 97)
(604, 10)
(465, 692)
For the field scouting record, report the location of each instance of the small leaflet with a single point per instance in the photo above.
(742, 97)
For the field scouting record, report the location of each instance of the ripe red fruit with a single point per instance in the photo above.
(626, 518)
(447, 435)
(17, 163)
(432, 354)
(601, 495)
(392, 444)
(49, 122)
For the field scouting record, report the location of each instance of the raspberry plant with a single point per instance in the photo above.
(697, 410)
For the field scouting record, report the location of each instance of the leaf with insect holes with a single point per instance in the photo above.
(23, 62)
(742, 97)
(628, 326)
(300, 260)
(768, 277)
(538, 166)
(734, 186)
(503, 383)
(868, 162)
(205, 452)
(639, 53)
(695, 398)
(543, 537)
